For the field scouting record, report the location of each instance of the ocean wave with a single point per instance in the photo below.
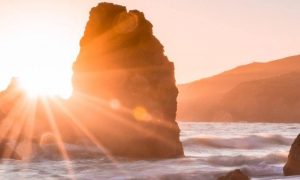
(262, 170)
(240, 160)
(247, 142)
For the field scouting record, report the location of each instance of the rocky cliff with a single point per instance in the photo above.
(124, 85)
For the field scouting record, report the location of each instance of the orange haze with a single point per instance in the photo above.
(39, 40)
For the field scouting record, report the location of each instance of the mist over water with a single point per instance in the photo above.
(211, 149)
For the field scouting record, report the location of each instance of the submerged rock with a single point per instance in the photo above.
(124, 86)
(234, 175)
(7, 152)
(292, 167)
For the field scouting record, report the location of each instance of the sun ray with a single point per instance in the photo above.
(89, 135)
(29, 131)
(58, 137)
(12, 138)
(9, 122)
(82, 128)
(96, 103)
(100, 102)
(15, 123)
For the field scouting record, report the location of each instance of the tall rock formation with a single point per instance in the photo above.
(124, 85)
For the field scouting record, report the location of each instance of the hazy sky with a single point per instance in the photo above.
(202, 37)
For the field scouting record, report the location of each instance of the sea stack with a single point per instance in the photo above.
(292, 167)
(124, 86)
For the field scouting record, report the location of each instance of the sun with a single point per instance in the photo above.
(43, 67)
(39, 50)
(42, 64)
(44, 86)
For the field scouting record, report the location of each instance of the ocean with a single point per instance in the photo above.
(211, 149)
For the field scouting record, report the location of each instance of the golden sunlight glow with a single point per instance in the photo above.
(41, 61)
(44, 86)
(42, 66)
(39, 49)
(141, 114)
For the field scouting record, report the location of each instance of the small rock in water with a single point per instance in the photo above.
(292, 167)
(234, 175)
(6, 152)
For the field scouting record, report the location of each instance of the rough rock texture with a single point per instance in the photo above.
(8, 100)
(234, 175)
(292, 167)
(124, 85)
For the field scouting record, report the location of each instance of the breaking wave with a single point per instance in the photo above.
(247, 142)
(240, 160)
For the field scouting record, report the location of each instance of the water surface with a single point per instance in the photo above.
(211, 149)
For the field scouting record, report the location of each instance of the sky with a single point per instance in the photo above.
(40, 39)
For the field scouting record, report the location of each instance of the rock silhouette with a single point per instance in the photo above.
(7, 152)
(257, 92)
(234, 175)
(9, 97)
(292, 167)
(124, 98)
(122, 69)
